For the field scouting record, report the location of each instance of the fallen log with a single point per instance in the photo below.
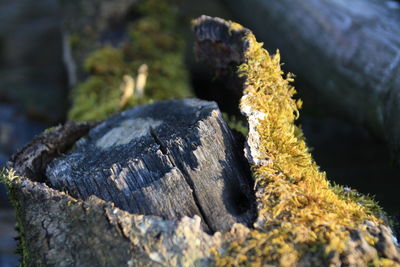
(348, 52)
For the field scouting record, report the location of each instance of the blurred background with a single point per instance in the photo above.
(44, 43)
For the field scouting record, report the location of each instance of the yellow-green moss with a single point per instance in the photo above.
(367, 201)
(301, 211)
(154, 39)
(6, 178)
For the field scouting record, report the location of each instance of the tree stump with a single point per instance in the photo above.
(175, 159)
(170, 159)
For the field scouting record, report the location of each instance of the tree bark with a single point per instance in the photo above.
(348, 52)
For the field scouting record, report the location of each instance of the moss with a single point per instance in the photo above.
(6, 178)
(301, 212)
(371, 206)
(154, 39)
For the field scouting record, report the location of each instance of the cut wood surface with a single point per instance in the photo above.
(170, 159)
(59, 229)
(348, 51)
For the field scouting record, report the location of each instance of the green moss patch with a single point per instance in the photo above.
(154, 40)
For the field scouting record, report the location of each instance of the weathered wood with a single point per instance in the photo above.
(58, 229)
(170, 159)
(349, 52)
(32, 160)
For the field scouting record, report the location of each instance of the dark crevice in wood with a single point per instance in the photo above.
(189, 181)
(221, 50)
(163, 148)
(46, 234)
(186, 176)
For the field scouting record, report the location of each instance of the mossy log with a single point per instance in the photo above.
(348, 53)
(300, 219)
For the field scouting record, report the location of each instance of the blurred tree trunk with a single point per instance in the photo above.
(31, 69)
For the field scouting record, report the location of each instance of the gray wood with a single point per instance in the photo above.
(56, 229)
(32, 159)
(347, 51)
(171, 159)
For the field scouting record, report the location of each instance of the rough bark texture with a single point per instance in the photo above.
(348, 52)
(171, 159)
(62, 231)
(59, 229)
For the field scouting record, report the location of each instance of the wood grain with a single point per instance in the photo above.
(170, 159)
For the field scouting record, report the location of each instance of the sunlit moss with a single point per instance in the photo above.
(155, 40)
(370, 205)
(300, 211)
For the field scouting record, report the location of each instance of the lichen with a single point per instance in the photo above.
(153, 39)
(6, 178)
(299, 211)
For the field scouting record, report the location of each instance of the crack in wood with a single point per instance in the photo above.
(163, 148)
(186, 176)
